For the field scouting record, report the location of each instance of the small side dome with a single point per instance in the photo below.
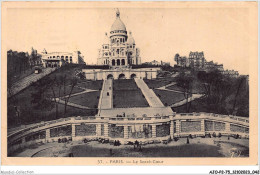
(130, 39)
(106, 39)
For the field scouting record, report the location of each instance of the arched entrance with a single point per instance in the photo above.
(133, 76)
(110, 76)
(121, 76)
(113, 62)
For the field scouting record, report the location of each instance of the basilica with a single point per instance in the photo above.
(119, 48)
(120, 54)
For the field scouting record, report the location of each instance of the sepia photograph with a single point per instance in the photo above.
(120, 81)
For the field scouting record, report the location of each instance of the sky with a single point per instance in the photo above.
(222, 33)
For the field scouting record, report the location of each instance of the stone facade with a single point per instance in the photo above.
(57, 59)
(118, 48)
(126, 73)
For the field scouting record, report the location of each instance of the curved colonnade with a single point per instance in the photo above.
(129, 128)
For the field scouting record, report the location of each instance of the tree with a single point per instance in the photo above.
(72, 83)
(176, 58)
(40, 98)
(185, 81)
(55, 85)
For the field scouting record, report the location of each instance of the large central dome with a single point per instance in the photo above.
(118, 24)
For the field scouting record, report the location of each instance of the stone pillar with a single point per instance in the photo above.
(172, 129)
(73, 130)
(202, 126)
(227, 127)
(106, 130)
(98, 129)
(125, 132)
(48, 135)
(178, 127)
(153, 130)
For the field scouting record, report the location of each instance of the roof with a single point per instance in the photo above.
(118, 24)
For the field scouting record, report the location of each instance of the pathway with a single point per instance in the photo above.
(27, 81)
(106, 97)
(149, 94)
(73, 105)
(193, 97)
(164, 87)
(78, 93)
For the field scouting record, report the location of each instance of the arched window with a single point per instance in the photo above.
(113, 62)
(118, 62)
(123, 61)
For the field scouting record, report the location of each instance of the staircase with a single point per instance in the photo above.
(149, 94)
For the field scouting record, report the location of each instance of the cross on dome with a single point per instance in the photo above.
(117, 13)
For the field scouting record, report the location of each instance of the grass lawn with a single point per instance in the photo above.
(129, 99)
(30, 114)
(175, 87)
(127, 94)
(124, 85)
(156, 83)
(87, 99)
(64, 93)
(197, 88)
(168, 98)
(95, 85)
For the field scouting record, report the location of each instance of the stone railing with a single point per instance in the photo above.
(34, 128)
(230, 118)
